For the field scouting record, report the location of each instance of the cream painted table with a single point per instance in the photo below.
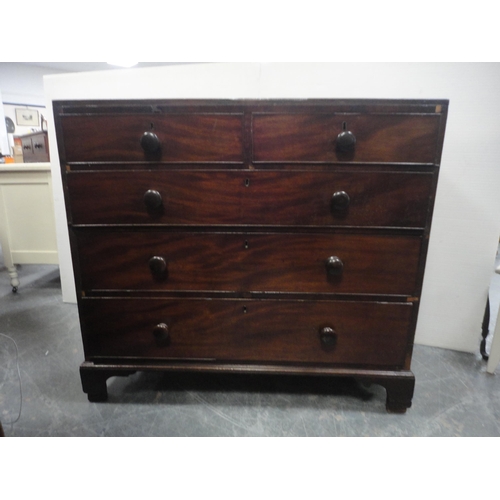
(27, 222)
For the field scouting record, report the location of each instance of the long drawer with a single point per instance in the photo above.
(393, 138)
(236, 262)
(304, 198)
(182, 137)
(331, 332)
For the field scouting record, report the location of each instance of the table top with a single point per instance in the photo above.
(24, 167)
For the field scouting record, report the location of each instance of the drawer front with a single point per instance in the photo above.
(361, 333)
(307, 263)
(394, 138)
(384, 199)
(182, 137)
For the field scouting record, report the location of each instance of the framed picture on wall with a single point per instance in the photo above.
(27, 117)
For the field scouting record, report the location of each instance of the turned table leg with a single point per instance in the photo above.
(5, 244)
(14, 278)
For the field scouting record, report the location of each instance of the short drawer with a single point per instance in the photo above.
(379, 138)
(179, 138)
(271, 198)
(241, 262)
(329, 332)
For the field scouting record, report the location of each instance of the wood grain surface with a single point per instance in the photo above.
(273, 198)
(183, 137)
(402, 138)
(368, 333)
(238, 262)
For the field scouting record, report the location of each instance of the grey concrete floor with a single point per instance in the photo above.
(454, 396)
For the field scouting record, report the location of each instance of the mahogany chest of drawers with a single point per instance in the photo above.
(35, 147)
(250, 236)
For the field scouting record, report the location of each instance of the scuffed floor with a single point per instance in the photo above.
(454, 396)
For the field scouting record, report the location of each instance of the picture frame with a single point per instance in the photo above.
(27, 117)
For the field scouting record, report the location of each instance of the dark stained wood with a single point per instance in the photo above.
(282, 198)
(197, 106)
(94, 381)
(399, 138)
(368, 333)
(399, 384)
(261, 236)
(399, 389)
(138, 106)
(183, 137)
(249, 262)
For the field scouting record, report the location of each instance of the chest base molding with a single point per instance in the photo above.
(399, 385)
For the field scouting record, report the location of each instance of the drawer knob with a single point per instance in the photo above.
(340, 201)
(334, 266)
(161, 333)
(346, 141)
(152, 199)
(158, 266)
(150, 142)
(328, 336)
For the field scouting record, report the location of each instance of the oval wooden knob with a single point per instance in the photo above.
(150, 142)
(161, 332)
(346, 141)
(340, 201)
(152, 199)
(158, 266)
(328, 336)
(334, 266)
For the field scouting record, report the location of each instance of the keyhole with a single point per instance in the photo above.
(152, 126)
(247, 182)
(344, 125)
(244, 310)
(246, 244)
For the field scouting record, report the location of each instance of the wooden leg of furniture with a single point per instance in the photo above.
(8, 261)
(5, 244)
(399, 394)
(14, 279)
(399, 389)
(94, 380)
(94, 384)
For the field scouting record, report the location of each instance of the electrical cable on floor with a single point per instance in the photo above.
(20, 385)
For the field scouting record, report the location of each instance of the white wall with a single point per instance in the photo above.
(23, 84)
(466, 224)
(10, 111)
